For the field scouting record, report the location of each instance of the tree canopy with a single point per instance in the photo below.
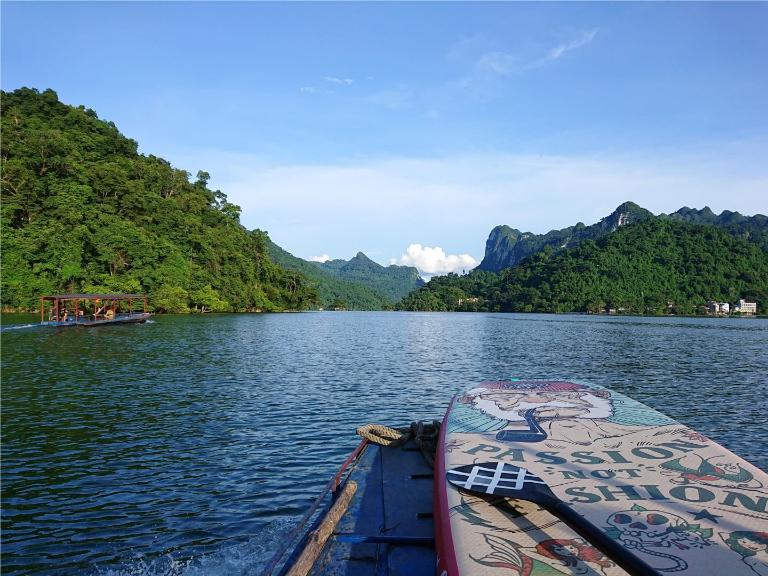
(653, 267)
(333, 290)
(84, 211)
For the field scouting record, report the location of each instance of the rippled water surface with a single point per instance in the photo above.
(190, 444)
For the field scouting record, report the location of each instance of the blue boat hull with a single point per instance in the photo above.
(388, 528)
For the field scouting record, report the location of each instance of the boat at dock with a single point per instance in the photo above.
(89, 310)
(627, 490)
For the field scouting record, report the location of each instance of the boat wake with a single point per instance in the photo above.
(165, 566)
(241, 559)
(18, 327)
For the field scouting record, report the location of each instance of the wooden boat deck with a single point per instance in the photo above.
(86, 310)
(388, 527)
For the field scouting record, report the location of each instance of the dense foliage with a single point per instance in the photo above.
(751, 228)
(394, 282)
(333, 291)
(506, 246)
(355, 284)
(83, 211)
(656, 266)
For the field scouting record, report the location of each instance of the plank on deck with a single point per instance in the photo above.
(394, 501)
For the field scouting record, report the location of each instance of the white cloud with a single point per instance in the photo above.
(584, 39)
(322, 258)
(337, 80)
(433, 261)
(501, 63)
(379, 205)
(506, 63)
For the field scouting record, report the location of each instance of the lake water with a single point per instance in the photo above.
(189, 445)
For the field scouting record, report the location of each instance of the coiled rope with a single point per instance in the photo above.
(384, 435)
(424, 434)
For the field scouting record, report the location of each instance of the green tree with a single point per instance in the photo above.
(83, 210)
(206, 299)
(169, 298)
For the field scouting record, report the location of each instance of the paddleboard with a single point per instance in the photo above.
(679, 501)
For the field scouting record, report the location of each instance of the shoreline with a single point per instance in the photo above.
(6, 311)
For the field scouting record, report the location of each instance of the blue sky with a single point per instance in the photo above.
(341, 127)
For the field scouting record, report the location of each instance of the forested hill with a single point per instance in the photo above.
(507, 246)
(751, 228)
(333, 292)
(395, 282)
(83, 211)
(355, 284)
(656, 266)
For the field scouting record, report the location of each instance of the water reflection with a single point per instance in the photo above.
(198, 437)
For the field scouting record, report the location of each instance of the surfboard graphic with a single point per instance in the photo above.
(678, 501)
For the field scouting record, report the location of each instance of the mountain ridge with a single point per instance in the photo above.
(333, 292)
(656, 266)
(393, 281)
(506, 246)
(355, 284)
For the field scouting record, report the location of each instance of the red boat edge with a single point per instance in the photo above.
(446, 564)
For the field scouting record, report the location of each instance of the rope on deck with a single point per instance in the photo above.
(384, 435)
(424, 434)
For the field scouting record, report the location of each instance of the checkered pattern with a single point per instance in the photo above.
(496, 478)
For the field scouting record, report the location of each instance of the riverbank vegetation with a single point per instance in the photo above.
(652, 267)
(83, 211)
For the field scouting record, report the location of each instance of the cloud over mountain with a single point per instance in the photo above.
(433, 260)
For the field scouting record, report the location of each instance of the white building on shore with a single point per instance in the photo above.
(746, 308)
(718, 308)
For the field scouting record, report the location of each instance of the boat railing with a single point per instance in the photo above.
(67, 309)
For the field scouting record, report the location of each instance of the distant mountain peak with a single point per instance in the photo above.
(628, 206)
(362, 257)
(393, 282)
(707, 216)
(506, 246)
(626, 213)
(361, 262)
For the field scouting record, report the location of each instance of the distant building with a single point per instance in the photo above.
(747, 308)
(718, 308)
